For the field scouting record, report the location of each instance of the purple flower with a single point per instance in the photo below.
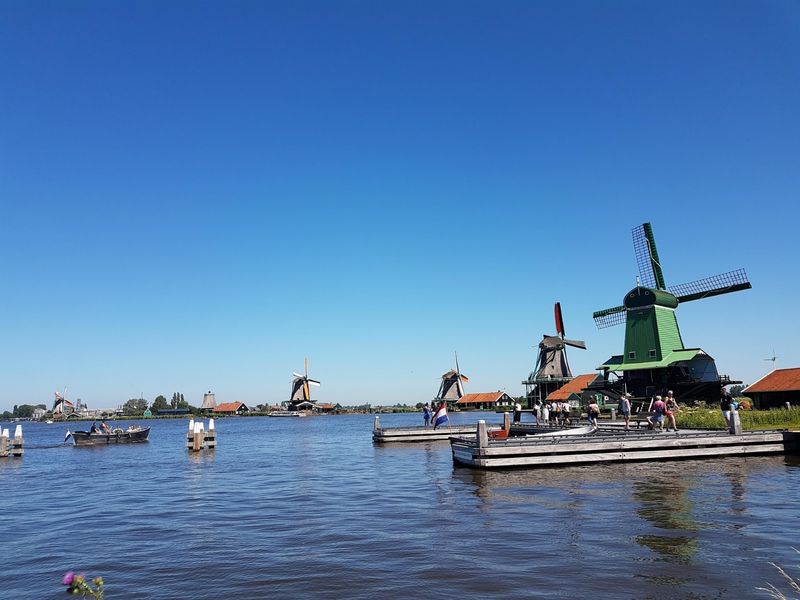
(69, 577)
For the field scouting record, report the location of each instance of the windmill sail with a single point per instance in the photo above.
(724, 283)
(644, 247)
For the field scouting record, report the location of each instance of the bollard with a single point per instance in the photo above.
(788, 405)
(482, 434)
(506, 421)
(735, 423)
(211, 436)
(190, 435)
(376, 425)
(613, 414)
(197, 441)
(16, 443)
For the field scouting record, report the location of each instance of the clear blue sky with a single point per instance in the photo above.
(197, 195)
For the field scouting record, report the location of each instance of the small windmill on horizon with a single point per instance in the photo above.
(300, 398)
(452, 386)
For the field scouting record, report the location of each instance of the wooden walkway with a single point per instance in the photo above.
(614, 445)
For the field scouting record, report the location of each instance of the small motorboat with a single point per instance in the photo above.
(131, 435)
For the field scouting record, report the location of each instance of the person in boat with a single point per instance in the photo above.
(104, 427)
(93, 428)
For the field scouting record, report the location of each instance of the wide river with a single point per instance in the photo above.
(310, 508)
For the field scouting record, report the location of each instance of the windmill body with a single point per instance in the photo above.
(552, 368)
(300, 398)
(655, 359)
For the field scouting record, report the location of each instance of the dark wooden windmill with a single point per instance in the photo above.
(655, 359)
(301, 392)
(452, 385)
(552, 368)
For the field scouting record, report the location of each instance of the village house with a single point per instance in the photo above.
(775, 389)
(484, 401)
(231, 408)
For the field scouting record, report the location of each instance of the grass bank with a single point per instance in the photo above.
(707, 418)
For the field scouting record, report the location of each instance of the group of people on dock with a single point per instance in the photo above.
(552, 413)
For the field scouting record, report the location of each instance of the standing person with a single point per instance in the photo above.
(625, 409)
(517, 412)
(538, 406)
(546, 413)
(671, 408)
(592, 413)
(725, 403)
(659, 409)
(426, 414)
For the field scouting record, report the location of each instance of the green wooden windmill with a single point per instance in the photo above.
(655, 359)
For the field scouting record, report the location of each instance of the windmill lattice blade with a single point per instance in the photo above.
(297, 375)
(641, 248)
(724, 283)
(609, 317)
(314, 383)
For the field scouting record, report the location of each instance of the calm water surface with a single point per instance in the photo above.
(310, 508)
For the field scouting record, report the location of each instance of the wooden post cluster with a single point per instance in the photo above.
(198, 438)
(11, 446)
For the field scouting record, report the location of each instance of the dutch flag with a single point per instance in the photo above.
(440, 416)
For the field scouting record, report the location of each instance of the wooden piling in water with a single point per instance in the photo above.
(376, 425)
(198, 438)
(11, 446)
(506, 421)
(211, 436)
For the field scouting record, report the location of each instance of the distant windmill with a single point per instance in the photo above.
(552, 369)
(655, 359)
(301, 392)
(452, 386)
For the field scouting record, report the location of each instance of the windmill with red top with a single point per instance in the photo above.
(552, 368)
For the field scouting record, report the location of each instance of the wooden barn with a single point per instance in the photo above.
(485, 401)
(775, 389)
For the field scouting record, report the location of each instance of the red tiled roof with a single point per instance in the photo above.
(574, 386)
(780, 380)
(480, 398)
(228, 407)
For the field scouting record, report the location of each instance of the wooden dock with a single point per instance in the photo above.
(11, 446)
(613, 445)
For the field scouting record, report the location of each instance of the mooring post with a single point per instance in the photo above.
(3, 442)
(376, 424)
(197, 442)
(16, 444)
(482, 434)
(211, 436)
(190, 435)
(735, 423)
(613, 414)
(788, 405)
(506, 421)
